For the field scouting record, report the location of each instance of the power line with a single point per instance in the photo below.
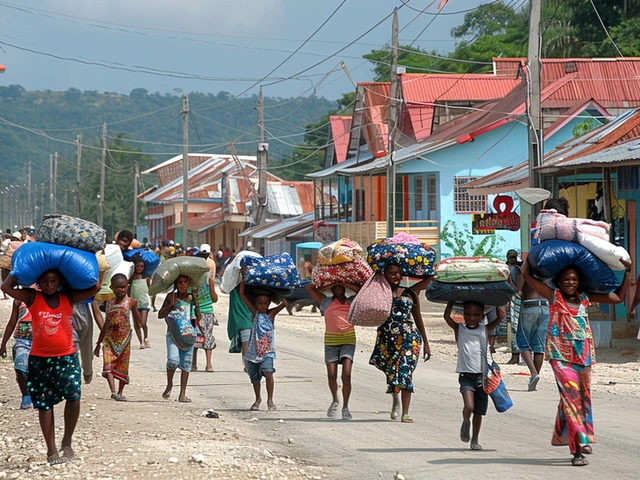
(605, 28)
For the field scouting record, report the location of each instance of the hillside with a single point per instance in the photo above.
(34, 124)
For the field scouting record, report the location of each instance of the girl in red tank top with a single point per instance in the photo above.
(54, 371)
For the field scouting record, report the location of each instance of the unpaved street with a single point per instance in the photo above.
(152, 438)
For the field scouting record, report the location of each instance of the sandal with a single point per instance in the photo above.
(406, 418)
(184, 400)
(579, 461)
(147, 344)
(55, 459)
(476, 446)
(121, 398)
(115, 396)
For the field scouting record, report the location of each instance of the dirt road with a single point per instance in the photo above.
(148, 437)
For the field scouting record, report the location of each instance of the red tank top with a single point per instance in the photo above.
(51, 328)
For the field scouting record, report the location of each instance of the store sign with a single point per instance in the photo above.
(504, 219)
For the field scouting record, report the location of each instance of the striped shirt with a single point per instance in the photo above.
(338, 331)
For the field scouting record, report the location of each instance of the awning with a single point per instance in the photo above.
(339, 168)
(281, 228)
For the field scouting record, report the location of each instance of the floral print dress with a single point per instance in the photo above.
(398, 344)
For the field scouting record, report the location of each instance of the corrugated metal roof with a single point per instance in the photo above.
(284, 227)
(283, 200)
(340, 133)
(624, 152)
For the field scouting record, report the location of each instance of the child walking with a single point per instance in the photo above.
(115, 337)
(139, 290)
(20, 325)
(339, 342)
(262, 343)
(54, 370)
(473, 344)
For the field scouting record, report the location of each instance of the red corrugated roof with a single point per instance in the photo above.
(421, 91)
(376, 96)
(613, 82)
(340, 132)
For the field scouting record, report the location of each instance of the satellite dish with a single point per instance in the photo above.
(533, 195)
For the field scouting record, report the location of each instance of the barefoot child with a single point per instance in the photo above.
(115, 337)
(20, 325)
(178, 310)
(339, 342)
(472, 339)
(139, 291)
(54, 370)
(262, 343)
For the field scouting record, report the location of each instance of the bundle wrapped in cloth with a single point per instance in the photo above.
(231, 277)
(414, 259)
(486, 293)
(549, 258)
(342, 251)
(372, 305)
(5, 260)
(471, 269)
(166, 274)
(72, 232)
(113, 256)
(276, 273)
(78, 267)
(151, 260)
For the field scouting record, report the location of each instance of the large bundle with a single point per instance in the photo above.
(275, 272)
(231, 277)
(5, 260)
(151, 260)
(355, 272)
(549, 258)
(342, 251)
(72, 232)
(166, 274)
(488, 293)
(78, 267)
(471, 269)
(372, 305)
(117, 264)
(414, 260)
(551, 225)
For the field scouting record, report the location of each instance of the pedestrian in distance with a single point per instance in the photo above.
(178, 310)
(339, 342)
(115, 337)
(261, 352)
(205, 297)
(570, 349)
(20, 326)
(473, 344)
(139, 290)
(54, 370)
(399, 341)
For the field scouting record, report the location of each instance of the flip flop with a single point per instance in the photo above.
(184, 400)
(121, 398)
(476, 446)
(115, 396)
(579, 461)
(406, 418)
(255, 407)
(55, 459)
(533, 383)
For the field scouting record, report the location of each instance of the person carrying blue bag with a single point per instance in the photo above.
(472, 338)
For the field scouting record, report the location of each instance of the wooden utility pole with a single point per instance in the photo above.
(55, 182)
(262, 163)
(29, 219)
(50, 183)
(393, 114)
(78, 161)
(135, 199)
(185, 171)
(103, 166)
(536, 133)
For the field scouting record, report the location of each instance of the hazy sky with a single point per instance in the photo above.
(218, 39)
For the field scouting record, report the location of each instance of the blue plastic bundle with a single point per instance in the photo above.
(493, 294)
(151, 260)
(78, 267)
(501, 398)
(276, 271)
(414, 260)
(549, 258)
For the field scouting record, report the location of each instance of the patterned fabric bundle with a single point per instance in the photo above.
(372, 305)
(488, 293)
(151, 260)
(276, 271)
(471, 269)
(342, 251)
(551, 225)
(72, 232)
(414, 260)
(355, 272)
(166, 274)
(231, 277)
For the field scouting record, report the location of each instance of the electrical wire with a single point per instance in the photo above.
(605, 29)
(406, 4)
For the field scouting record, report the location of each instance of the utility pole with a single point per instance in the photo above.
(78, 161)
(393, 114)
(29, 218)
(536, 133)
(185, 171)
(262, 163)
(50, 183)
(135, 199)
(103, 164)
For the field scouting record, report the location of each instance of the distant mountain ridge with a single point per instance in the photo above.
(151, 123)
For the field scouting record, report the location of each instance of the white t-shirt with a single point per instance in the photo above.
(473, 343)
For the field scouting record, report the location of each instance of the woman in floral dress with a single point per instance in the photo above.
(399, 339)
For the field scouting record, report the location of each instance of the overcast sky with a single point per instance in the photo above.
(228, 40)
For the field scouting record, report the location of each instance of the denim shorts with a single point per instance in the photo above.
(257, 370)
(472, 382)
(21, 349)
(335, 353)
(176, 357)
(532, 326)
(245, 333)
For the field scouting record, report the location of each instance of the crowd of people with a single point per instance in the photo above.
(50, 324)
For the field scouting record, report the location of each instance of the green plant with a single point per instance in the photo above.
(464, 244)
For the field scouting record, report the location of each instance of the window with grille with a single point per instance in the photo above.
(463, 201)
